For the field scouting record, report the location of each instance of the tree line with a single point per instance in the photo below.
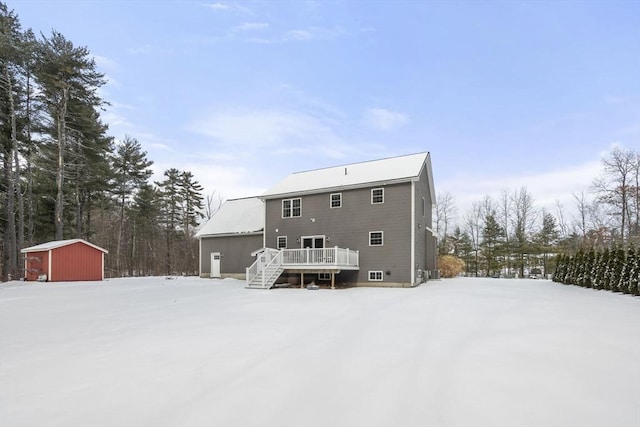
(615, 269)
(509, 235)
(64, 176)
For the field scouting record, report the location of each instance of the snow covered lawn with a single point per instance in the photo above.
(198, 352)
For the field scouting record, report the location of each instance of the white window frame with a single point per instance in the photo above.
(278, 242)
(381, 238)
(324, 276)
(339, 200)
(291, 208)
(376, 275)
(381, 195)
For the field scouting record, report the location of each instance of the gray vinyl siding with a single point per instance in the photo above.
(349, 227)
(423, 222)
(236, 252)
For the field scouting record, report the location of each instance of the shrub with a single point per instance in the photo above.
(450, 266)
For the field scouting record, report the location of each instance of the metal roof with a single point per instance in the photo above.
(384, 171)
(58, 244)
(236, 216)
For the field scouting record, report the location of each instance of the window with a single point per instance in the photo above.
(291, 208)
(375, 276)
(377, 196)
(336, 200)
(282, 242)
(324, 276)
(424, 207)
(375, 238)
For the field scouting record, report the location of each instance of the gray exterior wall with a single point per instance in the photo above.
(236, 253)
(349, 227)
(423, 215)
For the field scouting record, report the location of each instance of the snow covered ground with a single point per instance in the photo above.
(198, 352)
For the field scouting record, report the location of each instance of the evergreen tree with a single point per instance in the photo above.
(131, 171)
(595, 269)
(171, 200)
(65, 73)
(634, 272)
(588, 268)
(492, 240)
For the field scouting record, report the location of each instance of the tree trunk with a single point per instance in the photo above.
(10, 261)
(59, 208)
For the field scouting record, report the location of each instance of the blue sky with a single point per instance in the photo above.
(502, 93)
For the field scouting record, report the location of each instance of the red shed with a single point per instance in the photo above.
(64, 260)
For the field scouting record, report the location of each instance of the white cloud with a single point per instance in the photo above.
(225, 7)
(252, 26)
(546, 187)
(381, 119)
(281, 129)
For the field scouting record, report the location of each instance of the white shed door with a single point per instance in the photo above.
(215, 264)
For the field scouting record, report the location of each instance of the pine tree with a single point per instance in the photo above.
(131, 171)
(607, 257)
(65, 73)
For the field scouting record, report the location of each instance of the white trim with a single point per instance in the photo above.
(381, 237)
(290, 207)
(413, 232)
(199, 257)
(375, 189)
(381, 279)
(331, 200)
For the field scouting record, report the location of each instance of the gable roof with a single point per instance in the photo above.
(236, 216)
(58, 244)
(384, 171)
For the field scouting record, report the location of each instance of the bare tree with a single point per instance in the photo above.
(562, 223)
(523, 219)
(212, 204)
(614, 187)
(445, 215)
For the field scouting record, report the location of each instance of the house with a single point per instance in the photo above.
(64, 260)
(228, 239)
(362, 224)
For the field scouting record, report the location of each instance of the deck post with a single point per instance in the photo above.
(301, 280)
(333, 280)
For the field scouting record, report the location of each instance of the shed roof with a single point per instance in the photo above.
(387, 171)
(59, 243)
(236, 216)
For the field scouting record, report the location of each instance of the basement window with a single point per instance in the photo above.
(375, 276)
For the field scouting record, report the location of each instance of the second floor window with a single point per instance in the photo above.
(336, 200)
(291, 208)
(375, 238)
(377, 196)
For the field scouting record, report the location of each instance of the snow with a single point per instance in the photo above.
(236, 216)
(202, 352)
(394, 169)
(58, 244)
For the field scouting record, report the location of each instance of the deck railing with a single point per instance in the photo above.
(263, 259)
(325, 256)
